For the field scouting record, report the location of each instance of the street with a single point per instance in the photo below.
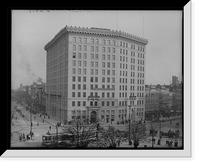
(42, 123)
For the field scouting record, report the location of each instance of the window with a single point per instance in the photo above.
(79, 55)
(74, 39)
(84, 56)
(113, 79)
(85, 40)
(84, 63)
(73, 103)
(113, 65)
(84, 103)
(96, 56)
(108, 50)
(108, 42)
(73, 78)
(79, 71)
(91, 86)
(113, 103)
(96, 79)
(92, 56)
(108, 64)
(108, 72)
(113, 57)
(74, 55)
(79, 86)
(108, 103)
(103, 94)
(74, 47)
(103, 49)
(108, 79)
(79, 47)
(102, 103)
(96, 48)
(92, 64)
(103, 57)
(113, 50)
(73, 94)
(79, 103)
(104, 42)
(79, 94)
(113, 94)
(103, 79)
(84, 86)
(84, 71)
(92, 48)
(73, 86)
(91, 71)
(84, 94)
(84, 48)
(113, 72)
(114, 42)
(73, 71)
(96, 64)
(96, 71)
(92, 41)
(91, 79)
(79, 63)
(84, 79)
(74, 63)
(103, 72)
(97, 41)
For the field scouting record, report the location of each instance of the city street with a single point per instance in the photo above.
(23, 125)
(42, 123)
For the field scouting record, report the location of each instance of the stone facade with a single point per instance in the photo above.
(96, 73)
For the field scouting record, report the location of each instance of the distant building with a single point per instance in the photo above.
(174, 80)
(157, 97)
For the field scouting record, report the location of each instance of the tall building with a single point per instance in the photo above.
(95, 73)
(174, 80)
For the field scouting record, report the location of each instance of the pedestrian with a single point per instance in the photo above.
(20, 138)
(50, 128)
(118, 142)
(23, 136)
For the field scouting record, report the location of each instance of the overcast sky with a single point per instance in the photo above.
(32, 30)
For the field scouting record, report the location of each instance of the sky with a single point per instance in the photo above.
(32, 30)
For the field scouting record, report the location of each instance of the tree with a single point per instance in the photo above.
(83, 133)
(108, 137)
(153, 128)
(137, 132)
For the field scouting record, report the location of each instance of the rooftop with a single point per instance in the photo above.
(94, 30)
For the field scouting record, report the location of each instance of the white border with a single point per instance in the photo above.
(136, 153)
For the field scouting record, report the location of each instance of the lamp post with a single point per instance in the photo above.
(129, 120)
(31, 124)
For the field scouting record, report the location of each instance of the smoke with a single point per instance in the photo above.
(25, 65)
(39, 80)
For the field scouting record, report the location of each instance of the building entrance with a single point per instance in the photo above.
(93, 117)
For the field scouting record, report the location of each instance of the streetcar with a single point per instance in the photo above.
(60, 139)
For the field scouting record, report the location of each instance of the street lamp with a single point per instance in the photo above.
(129, 120)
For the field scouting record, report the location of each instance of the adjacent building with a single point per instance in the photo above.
(97, 74)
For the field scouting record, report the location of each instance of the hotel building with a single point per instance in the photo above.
(95, 73)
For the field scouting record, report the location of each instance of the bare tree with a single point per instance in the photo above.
(83, 133)
(137, 132)
(109, 137)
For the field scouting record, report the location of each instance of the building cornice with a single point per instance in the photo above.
(95, 31)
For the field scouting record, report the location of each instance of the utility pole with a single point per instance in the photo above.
(129, 120)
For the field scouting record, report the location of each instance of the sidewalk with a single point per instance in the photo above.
(149, 144)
